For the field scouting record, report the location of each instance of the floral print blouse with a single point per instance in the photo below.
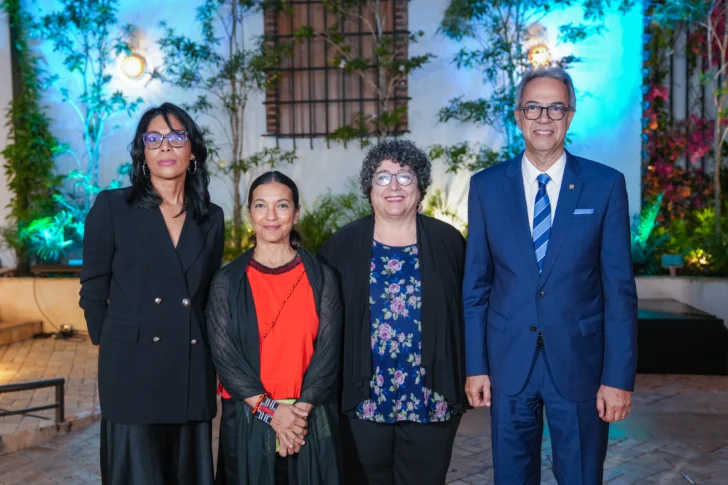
(398, 390)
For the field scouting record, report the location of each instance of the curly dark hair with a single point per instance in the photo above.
(197, 195)
(403, 152)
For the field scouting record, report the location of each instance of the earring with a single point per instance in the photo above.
(192, 172)
(145, 172)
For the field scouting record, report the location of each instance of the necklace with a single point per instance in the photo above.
(259, 261)
(278, 314)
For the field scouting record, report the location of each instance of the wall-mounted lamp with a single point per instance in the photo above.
(133, 66)
(539, 56)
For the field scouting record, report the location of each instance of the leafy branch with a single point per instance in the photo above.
(226, 74)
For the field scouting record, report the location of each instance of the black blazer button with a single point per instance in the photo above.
(157, 300)
(155, 339)
(185, 302)
(540, 294)
(193, 342)
(532, 328)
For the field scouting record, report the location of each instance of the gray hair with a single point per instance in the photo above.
(557, 73)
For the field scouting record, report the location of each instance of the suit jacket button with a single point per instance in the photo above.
(185, 302)
(193, 342)
(155, 339)
(540, 294)
(157, 300)
(532, 328)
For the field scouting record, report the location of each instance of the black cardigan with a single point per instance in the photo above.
(234, 340)
(442, 255)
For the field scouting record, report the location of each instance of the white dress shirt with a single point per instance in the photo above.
(530, 184)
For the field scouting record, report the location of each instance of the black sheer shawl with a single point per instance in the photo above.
(234, 340)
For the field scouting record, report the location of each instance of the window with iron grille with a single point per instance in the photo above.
(335, 84)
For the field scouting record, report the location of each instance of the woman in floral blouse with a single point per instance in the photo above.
(403, 376)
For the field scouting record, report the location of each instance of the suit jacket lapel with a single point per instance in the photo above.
(571, 187)
(158, 241)
(516, 202)
(192, 240)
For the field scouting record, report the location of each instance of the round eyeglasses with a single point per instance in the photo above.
(154, 140)
(385, 178)
(556, 112)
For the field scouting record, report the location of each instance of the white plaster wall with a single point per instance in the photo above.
(54, 301)
(706, 294)
(7, 258)
(606, 128)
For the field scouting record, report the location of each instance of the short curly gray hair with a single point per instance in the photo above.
(403, 152)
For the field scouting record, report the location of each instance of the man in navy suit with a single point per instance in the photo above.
(549, 294)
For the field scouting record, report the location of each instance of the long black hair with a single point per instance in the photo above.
(272, 177)
(197, 195)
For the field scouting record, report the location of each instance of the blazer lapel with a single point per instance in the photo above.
(158, 241)
(516, 202)
(569, 193)
(192, 240)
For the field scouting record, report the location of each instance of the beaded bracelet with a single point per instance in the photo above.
(266, 410)
(260, 400)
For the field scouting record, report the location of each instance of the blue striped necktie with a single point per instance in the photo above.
(541, 220)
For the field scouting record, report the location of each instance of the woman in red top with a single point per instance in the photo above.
(274, 321)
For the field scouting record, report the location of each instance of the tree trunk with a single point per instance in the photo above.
(237, 212)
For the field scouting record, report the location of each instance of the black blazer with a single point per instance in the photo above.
(442, 256)
(144, 304)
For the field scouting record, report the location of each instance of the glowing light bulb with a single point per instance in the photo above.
(539, 56)
(133, 66)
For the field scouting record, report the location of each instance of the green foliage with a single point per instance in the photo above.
(710, 19)
(499, 30)
(469, 156)
(85, 33)
(30, 149)
(391, 67)
(225, 74)
(47, 236)
(644, 241)
(695, 238)
(235, 247)
(50, 238)
(436, 206)
(330, 213)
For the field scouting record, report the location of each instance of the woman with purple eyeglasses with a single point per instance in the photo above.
(150, 251)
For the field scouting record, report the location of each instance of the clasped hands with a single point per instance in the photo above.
(291, 426)
(612, 404)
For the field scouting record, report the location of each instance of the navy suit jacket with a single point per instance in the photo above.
(584, 303)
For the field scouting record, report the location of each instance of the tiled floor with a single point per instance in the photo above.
(31, 360)
(677, 434)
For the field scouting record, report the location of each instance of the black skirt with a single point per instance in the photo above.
(156, 454)
(227, 456)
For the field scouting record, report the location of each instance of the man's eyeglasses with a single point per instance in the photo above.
(385, 178)
(556, 112)
(154, 140)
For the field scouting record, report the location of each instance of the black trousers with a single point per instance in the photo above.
(227, 463)
(397, 454)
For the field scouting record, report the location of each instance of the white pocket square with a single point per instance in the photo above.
(583, 212)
